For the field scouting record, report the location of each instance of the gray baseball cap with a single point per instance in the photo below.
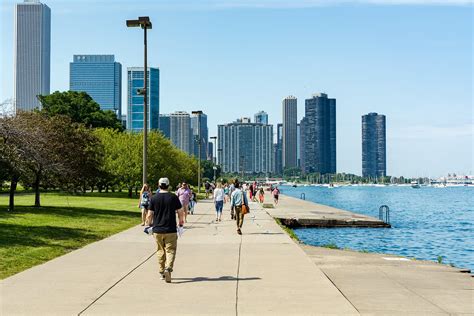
(164, 181)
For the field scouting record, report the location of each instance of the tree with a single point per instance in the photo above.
(123, 159)
(81, 108)
(38, 148)
(208, 169)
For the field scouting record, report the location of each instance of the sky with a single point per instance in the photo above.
(411, 60)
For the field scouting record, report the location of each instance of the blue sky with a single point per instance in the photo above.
(408, 59)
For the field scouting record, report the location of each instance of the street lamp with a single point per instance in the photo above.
(198, 113)
(145, 23)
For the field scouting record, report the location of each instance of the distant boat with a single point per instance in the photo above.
(415, 185)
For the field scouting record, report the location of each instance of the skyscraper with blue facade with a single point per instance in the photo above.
(135, 101)
(319, 134)
(195, 125)
(374, 147)
(101, 77)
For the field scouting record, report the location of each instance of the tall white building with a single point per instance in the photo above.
(32, 54)
(181, 132)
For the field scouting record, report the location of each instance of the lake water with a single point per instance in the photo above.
(426, 222)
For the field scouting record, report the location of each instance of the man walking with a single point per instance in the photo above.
(239, 198)
(162, 214)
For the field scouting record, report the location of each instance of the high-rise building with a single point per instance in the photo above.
(374, 162)
(302, 147)
(298, 145)
(261, 117)
(135, 109)
(164, 125)
(278, 164)
(210, 151)
(204, 134)
(181, 132)
(32, 54)
(101, 77)
(245, 147)
(320, 135)
(290, 113)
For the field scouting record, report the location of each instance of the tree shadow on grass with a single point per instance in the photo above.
(73, 212)
(38, 236)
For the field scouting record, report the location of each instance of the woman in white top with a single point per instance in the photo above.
(219, 201)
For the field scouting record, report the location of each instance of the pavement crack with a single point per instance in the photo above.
(113, 285)
(327, 276)
(237, 284)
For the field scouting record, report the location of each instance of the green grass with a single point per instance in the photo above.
(30, 236)
(289, 231)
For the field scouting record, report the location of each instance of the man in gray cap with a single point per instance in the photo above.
(162, 214)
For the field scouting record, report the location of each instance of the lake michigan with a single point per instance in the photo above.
(427, 223)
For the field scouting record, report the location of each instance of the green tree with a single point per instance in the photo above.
(81, 108)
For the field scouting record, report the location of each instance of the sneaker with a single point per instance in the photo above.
(162, 276)
(168, 276)
(239, 231)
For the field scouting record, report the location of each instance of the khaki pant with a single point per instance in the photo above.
(239, 216)
(167, 244)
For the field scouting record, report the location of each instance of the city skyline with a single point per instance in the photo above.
(388, 57)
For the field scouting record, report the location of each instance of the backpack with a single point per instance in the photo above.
(145, 198)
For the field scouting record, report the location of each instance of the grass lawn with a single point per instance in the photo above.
(30, 236)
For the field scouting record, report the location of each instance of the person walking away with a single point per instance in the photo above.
(219, 201)
(239, 198)
(226, 193)
(184, 195)
(251, 191)
(276, 194)
(207, 187)
(192, 202)
(261, 195)
(144, 201)
(162, 214)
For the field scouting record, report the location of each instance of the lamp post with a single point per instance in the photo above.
(145, 23)
(198, 113)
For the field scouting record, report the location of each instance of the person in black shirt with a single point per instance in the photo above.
(162, 214)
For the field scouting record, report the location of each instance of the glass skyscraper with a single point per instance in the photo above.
(101, 77)
(204, 135)
(32, 55)
(319, 135)
(165, 125)
(246, 147)
(290, 112)
(135, 101)
(261, 117)
(374, 162)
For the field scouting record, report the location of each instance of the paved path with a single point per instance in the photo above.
(217, 272)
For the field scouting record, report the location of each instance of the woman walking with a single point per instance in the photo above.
(144, 202)
(276, 194)
(184, 195)
(261, 195)
(219, 201)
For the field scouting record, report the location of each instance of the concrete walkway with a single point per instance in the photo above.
(217, 272)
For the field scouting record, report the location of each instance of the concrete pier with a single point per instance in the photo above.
(296, 213)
